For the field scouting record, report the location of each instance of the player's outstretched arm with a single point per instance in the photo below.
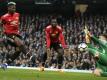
(96, 40)
(89, 37)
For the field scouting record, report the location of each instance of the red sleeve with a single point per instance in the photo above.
(2, 20)
(2, 17)
(19, 15)
(19, 18)
(47, 38)
(61, 39)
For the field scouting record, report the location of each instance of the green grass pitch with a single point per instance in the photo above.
(19, 74)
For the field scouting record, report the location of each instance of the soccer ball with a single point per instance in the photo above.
(82, 47)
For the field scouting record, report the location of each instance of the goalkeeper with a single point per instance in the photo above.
(100, 54)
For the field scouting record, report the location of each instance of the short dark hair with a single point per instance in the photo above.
(11, 3)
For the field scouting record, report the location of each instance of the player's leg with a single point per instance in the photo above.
(11, 57)
(60, 57)
(60, 52)
(48, 55)
(42, 61)
(18, 43)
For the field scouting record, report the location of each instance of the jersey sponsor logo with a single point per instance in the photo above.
(56, 32)
(14, 22)
(53, 35)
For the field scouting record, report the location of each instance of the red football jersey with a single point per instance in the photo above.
(54, 35)
(10, 23)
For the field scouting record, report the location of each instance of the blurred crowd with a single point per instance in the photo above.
(32, 31)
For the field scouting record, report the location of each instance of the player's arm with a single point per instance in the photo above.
(1, 23)
(62, 40)
(48, 43)
(93, 50)
(96, 40)
(47, 38)
(19, 21)
(1, 27)
(89, 37)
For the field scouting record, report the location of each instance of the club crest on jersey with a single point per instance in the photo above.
(53, 35)
(17, 18)
(9, 19)
(56, 32)
(14, 22)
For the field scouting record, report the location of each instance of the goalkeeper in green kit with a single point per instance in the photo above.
(100, 54)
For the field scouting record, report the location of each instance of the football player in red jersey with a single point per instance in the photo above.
(55, 40)
(10, 24)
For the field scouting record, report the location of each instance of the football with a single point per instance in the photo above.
(82, 47)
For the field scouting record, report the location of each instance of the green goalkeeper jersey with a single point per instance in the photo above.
(102, 50)
(101, 63)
